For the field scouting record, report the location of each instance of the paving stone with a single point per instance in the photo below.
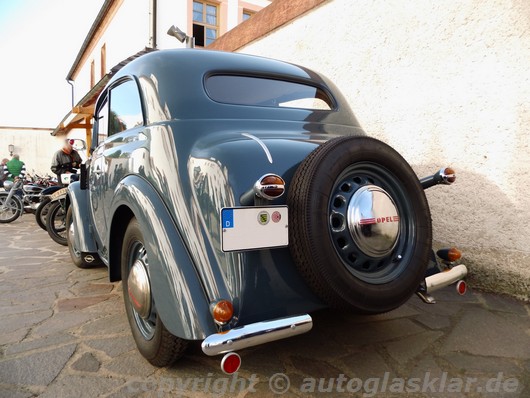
(434, 321)
(14, 393)
(60, 322)
(504, 304)
(86, 363)
(78, 303)
(479, 331)
(130, 364)
(113, 346)
(107, 325)
(13, 337)
(90, 289)
(14, 322)
(370, 333)
(314, 367)
(13, 309)
(364, 364)
(466, 362)
(48, 341)
(36, 369)
(410, 347)
(81, 387)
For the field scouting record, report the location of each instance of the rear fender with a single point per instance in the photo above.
(78, 199)
(176, 288)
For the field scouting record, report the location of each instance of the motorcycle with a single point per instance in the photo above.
(11, 205)
(44, 206)
(56, 213)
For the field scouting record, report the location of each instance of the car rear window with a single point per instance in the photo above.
(258, 91)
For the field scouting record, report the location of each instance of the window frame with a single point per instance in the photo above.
(204, 24)
(105, 98)
(248, 12)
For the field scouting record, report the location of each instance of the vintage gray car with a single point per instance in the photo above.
(233, 195)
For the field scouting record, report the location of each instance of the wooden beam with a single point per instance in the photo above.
(88, 133)
(79, 126)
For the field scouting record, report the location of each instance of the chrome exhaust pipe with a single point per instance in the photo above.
(444, 176)
(445, 278)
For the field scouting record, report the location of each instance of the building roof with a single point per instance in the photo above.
(99, 24)
(80, 115)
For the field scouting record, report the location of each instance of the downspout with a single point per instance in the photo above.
(70, 82)
(152, 24)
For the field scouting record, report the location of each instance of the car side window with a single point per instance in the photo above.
(103, 123)
(125, 108)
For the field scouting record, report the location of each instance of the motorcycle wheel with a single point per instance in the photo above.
(56, 223)
(10, 210)
(42, 212)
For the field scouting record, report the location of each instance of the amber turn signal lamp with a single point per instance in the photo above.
(270, 186)
(450, 176)
(222, 311)
(450, 255)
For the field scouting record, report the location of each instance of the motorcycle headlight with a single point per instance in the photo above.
(8, 185)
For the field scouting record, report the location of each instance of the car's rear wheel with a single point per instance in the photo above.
(360, 225)
(153, 340)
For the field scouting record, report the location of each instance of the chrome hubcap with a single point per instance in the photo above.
(373, 221)
(139, 289)
(139, 292)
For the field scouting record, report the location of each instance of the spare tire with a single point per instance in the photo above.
(359, 225)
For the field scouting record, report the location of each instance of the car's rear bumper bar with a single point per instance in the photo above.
(256, 334)
(445, 278)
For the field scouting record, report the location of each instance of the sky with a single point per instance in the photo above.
(39, 41)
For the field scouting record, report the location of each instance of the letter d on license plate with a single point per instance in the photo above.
(251, 228)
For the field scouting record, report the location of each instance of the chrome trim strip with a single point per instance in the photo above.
(255, 334)
(443, 279)
(261, 143)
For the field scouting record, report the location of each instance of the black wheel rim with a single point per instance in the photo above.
(373, 270)
(147, 326)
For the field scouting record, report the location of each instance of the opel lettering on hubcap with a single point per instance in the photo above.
(373, 221)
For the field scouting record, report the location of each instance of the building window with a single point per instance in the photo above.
(205, 22)
(92, 74)
(103, 60)
(247, 14)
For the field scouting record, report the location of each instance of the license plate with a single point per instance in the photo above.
(251, 228)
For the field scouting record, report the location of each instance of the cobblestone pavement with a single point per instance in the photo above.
(64, 333)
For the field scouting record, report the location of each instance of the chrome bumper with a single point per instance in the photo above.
(443, 279)
(255, 334)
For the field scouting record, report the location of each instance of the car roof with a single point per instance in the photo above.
(177, 76)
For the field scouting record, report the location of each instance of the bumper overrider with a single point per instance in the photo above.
(255, 334)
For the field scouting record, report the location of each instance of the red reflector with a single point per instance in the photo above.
(230, 363)
(461, 287)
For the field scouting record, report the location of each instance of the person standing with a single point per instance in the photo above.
(3, 176)
(14, 168)
(66, 160)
